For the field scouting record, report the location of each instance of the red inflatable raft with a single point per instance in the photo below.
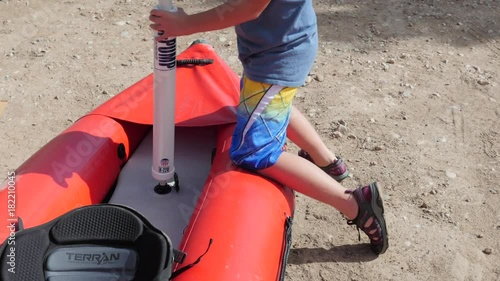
(105, 156)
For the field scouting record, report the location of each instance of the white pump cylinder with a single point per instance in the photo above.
(164, 104)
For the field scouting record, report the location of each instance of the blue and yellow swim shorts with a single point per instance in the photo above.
(263, 115)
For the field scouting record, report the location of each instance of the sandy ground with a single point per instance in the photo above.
(415, 82)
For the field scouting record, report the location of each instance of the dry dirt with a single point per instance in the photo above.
(416, 83)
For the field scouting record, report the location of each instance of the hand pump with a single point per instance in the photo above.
(164, 107)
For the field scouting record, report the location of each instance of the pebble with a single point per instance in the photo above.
(493, 191)
(378, 148)
(352, 137)
(319, 78)
(406, 93)
(337, 134)
(480, 235)
(487, 251)
(391, 61)
(222, 39)
(342, 122)
(483, 82)
(407, 243)
(121, 23)
(451, 174)
(433, 192)
(342, 129)
(424, 205)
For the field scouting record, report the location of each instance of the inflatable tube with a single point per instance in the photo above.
(76, 168)
(247, 217)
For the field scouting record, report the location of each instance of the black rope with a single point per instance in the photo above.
(181, 270)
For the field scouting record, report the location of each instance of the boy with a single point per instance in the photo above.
(277, 44)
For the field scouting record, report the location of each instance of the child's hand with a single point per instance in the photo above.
(172, 24)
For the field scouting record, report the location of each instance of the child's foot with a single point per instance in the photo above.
(370, 217)
(337, 170)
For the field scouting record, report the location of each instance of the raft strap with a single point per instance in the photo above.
(183, 269)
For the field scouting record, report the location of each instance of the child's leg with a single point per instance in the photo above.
(303, 134)
(305, 177)
(364, 209)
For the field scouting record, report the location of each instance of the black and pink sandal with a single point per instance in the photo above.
(370, 205)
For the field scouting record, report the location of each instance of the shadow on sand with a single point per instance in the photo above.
(345, 253)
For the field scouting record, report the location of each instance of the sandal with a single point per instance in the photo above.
(370, 205)
(337, 170)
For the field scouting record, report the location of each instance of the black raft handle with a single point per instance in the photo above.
(194, 62)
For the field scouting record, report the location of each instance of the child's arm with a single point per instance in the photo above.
(225, 15)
